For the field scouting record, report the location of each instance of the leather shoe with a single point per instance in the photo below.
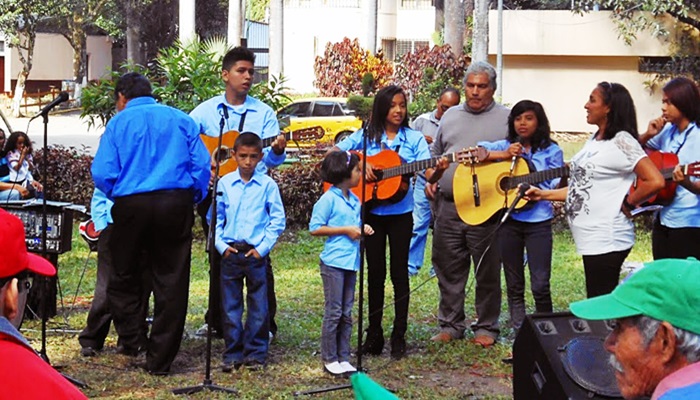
(88, 352)
(484, 341)
(128, 351)
(398, 347)
(442, 337)
(374, 343)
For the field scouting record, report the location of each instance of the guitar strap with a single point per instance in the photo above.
(687, 133)
(242, 122)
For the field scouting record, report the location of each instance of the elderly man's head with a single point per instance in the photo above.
(657, 328)
(15, 262)
(479, 85)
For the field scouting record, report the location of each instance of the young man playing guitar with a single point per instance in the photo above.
(242, 113)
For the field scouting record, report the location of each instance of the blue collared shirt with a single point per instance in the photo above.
(260, 119)
(101, 210)
(411, 146)
(684, 211)
(148, 147)
(543, 159)
(249, 212)
(334, 210)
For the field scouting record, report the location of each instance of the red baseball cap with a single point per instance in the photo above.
(14, 257)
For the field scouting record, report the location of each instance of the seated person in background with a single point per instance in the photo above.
(18, 152)
(8, 190)
(655, 346)
(25, 375)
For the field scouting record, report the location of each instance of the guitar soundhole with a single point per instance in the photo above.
(505, 184)
(220, 155)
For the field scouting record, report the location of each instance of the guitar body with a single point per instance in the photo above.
(664, 162)
(492, 194)
(228, 164)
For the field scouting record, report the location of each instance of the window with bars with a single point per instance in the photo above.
(408, 45)
(389, 49)
(416, 4)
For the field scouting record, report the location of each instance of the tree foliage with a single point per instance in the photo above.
(341, 69)
(676, 20)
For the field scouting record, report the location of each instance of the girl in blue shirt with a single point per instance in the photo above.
(337, 215)
(529, 228)
(388, 130)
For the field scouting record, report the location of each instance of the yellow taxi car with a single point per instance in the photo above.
(330, 113)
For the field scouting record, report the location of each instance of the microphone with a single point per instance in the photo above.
(522, 188)
(224, 109)
(515, 158)
(63, 96)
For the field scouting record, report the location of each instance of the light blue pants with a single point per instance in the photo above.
(9, 195)
(421, 222)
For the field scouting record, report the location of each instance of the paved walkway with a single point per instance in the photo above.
(66, 129)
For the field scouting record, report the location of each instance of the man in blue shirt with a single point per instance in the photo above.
(244, 113)
(153, 165)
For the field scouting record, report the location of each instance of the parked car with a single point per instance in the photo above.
(330, 113)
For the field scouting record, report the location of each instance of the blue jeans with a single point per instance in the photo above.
(249, 343)
(339, 294)
(514, 237)
(421, 222)
(9, 195)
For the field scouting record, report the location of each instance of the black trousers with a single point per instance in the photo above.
(214, 315)
(99, 317)
(603, 272)
(674, 242)
(399, 229)
(160, 224)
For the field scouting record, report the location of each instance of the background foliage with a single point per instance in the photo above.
(300, 187)
(68, 174)
(339, 72)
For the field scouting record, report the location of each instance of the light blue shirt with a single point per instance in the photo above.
(248, 212)
(334, 210)
(260, 119)
(543, 159)
(411, 147)
(101, 210)
(3, 162)
(684, 211)
(149, 147)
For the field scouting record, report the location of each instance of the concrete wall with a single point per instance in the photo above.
(557, 58)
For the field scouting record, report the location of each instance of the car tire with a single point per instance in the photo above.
(342, 135)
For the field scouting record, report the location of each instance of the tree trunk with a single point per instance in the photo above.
(454, 26)
(79, 44)
(439, 15)
(276, 37)
(26, 44)
(133, 34)
(19, 93)
(235, 23)
(372, 25)
(480, 37)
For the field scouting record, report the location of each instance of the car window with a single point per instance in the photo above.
(337, 111)
(345, 109)
(323, 109)
(296, 109)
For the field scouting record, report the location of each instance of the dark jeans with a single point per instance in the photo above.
(99, 317)
(674, 242)
(603, 272)
(339, 294)
(399, 229)
(250, 342)
(213, 317)
(160, 224)
(514, 237)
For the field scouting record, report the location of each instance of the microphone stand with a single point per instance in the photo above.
(44, 227)
(207, 383)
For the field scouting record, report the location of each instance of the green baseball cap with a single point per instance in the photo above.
(666, 290)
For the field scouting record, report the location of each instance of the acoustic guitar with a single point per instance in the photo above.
(666, 163)
(393, 175)
(481, 190)
(225, 153)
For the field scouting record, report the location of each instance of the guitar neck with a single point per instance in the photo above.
(416, 166)
(539, 176)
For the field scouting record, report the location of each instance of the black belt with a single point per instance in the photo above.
(447, 197)
(241, 246)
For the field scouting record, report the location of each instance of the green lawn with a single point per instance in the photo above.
(459, 370)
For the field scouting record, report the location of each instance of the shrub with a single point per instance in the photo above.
(343, 67)
(426, 72)
(300, 186)
(68, 174)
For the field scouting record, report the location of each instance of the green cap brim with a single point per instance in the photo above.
(602, 307)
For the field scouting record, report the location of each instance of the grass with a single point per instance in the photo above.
(459, 370)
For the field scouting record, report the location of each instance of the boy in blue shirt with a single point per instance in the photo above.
(250, 217)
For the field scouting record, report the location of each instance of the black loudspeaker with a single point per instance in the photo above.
(558, 356)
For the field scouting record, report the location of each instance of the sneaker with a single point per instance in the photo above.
(484, 341)
(347, 367)
(202, 332)
(334, 368)
(88, 352)
(272, 336)
(230, 366)
(254, 365)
